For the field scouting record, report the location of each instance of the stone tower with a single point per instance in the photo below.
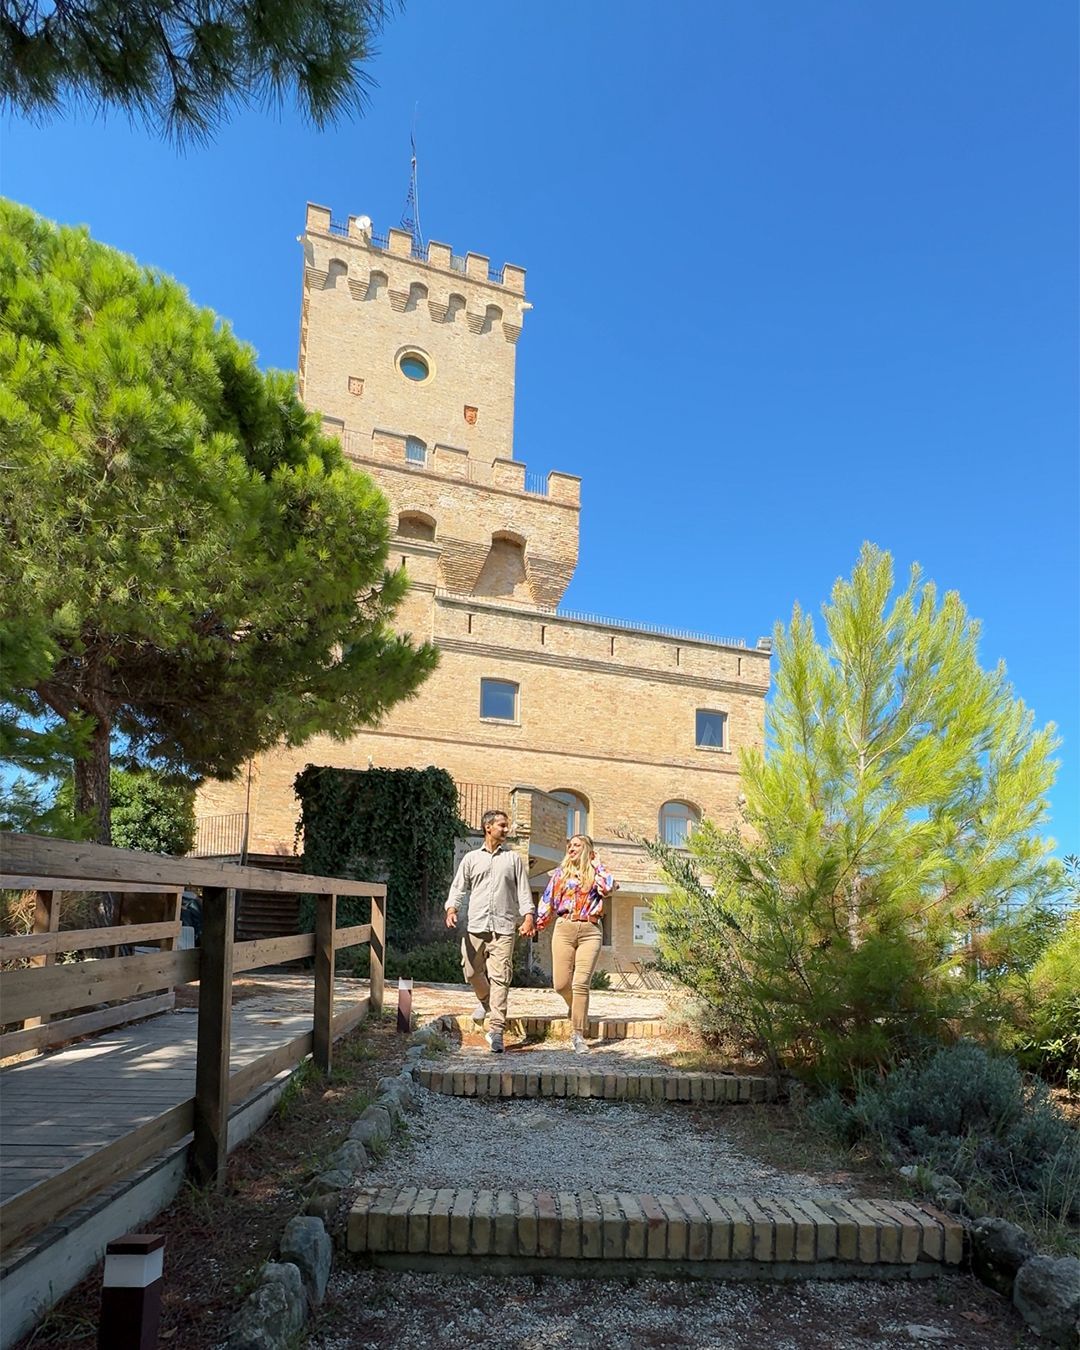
(411, 360)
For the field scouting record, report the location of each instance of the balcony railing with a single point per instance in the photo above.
(476, 798)
(224, 836)
(660, 630)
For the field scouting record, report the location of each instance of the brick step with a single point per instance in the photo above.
(558, 1028)
(725, 1236)
(579, 1081)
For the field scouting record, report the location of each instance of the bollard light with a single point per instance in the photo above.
(131, 1292)
(404, 1005)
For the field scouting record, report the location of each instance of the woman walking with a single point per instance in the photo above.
(574, 898)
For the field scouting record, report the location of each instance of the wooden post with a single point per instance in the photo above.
(378, 951)
(46, 920)
(323, 1031)
(211, 1144)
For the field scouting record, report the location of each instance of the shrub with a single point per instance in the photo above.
(896, 822)
(392, 825)
(1051, 1041)
(972, 1115)
(600, 980)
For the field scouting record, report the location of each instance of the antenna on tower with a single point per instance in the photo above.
(410, 217)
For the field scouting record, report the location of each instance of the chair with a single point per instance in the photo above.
(651, 977)
(620, 976)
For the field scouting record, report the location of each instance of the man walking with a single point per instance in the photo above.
(496, 882)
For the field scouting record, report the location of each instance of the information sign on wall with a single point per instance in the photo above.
(644, 931)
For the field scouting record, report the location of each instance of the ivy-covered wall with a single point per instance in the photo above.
(392, 825)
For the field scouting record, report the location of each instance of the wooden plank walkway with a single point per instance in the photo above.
(61, 1107)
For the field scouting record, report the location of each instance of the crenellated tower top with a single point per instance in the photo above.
(424, 346)
(409, 354)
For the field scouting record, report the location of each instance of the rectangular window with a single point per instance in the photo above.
(498, 699)
(711, 729)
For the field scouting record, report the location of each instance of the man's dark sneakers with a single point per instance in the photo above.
(495, 1041)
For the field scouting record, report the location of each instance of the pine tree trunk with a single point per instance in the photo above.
(93, 798)
(92, 793)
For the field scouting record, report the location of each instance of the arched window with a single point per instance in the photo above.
(415, 525)
(678, 821)
(415, 450)
(577, 811)
(335, 271)
(503, 572)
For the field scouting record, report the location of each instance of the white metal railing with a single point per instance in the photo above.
(659, 630)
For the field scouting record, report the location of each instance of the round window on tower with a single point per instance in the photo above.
(415, 365)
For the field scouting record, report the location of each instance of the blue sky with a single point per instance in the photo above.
(803, 275)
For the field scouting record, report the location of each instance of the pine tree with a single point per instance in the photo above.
(182, 66)
(900, 809)
(189, 567)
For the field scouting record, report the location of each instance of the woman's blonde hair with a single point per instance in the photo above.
(584, 869)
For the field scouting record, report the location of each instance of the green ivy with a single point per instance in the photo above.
(392, 825)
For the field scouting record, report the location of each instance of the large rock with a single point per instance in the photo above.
(329, 1183)
(273, 1314)
(365, 1132)
(398, 1095)
(945, 1191)
(1047, 1296)
(350, 1157)
(409, 1089)
(392, 1104)
(306, 1244)
(424, 1035)
(998, 1250)
(380, 1117)
(324, 1207)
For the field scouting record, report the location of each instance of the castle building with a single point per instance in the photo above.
(568, 721)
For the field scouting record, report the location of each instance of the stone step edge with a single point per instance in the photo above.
(609, 1086)
(558, 1028)
(595, 1226)
(610, 1269)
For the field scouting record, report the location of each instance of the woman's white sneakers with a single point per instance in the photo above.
(578, 1043)
(479, 1013)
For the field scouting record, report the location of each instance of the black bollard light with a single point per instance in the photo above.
(404, 1005)
(131, 1292)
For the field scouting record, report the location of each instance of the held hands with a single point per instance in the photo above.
(528, 926)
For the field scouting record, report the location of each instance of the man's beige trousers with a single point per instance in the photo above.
(488, 962)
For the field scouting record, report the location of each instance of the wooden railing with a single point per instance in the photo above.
(36, 994)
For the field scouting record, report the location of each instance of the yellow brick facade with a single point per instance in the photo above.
(603, 710)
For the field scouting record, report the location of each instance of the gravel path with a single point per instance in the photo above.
(584, 1144)
(372, 1309)
(580, 1144)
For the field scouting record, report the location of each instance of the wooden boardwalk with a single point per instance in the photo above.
(59, 1108)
